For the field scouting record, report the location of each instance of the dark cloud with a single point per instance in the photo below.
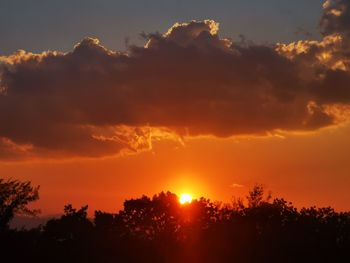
(336, 17)
(186, 82)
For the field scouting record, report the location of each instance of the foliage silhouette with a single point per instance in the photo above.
(159, 229)
(14, 199)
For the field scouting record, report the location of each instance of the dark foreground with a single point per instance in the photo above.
(159, 229)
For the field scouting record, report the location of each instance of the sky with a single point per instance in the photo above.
(109, 100)
(40, 25)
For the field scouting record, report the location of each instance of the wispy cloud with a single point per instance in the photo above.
(235, 185)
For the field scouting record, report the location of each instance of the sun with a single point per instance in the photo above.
(185, 199)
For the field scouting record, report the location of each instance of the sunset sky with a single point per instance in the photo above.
(101, 101)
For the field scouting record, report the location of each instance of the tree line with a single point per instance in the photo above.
(160, 229)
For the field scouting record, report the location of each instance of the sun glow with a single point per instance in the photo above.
(185, 199)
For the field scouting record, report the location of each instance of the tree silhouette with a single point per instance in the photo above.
(159, 229)
(72, 225)
(14, 199)
(256, 196)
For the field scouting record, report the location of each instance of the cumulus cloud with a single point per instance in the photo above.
(188, 81)
(202, 35)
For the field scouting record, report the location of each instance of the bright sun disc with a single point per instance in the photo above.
(185, 199)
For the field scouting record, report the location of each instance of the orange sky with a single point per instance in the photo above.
(189, 111)
(308, 169)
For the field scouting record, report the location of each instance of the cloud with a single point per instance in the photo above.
(336, 17)
(10, 150)
(186, 82)
(235, 185)
(202, 35)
